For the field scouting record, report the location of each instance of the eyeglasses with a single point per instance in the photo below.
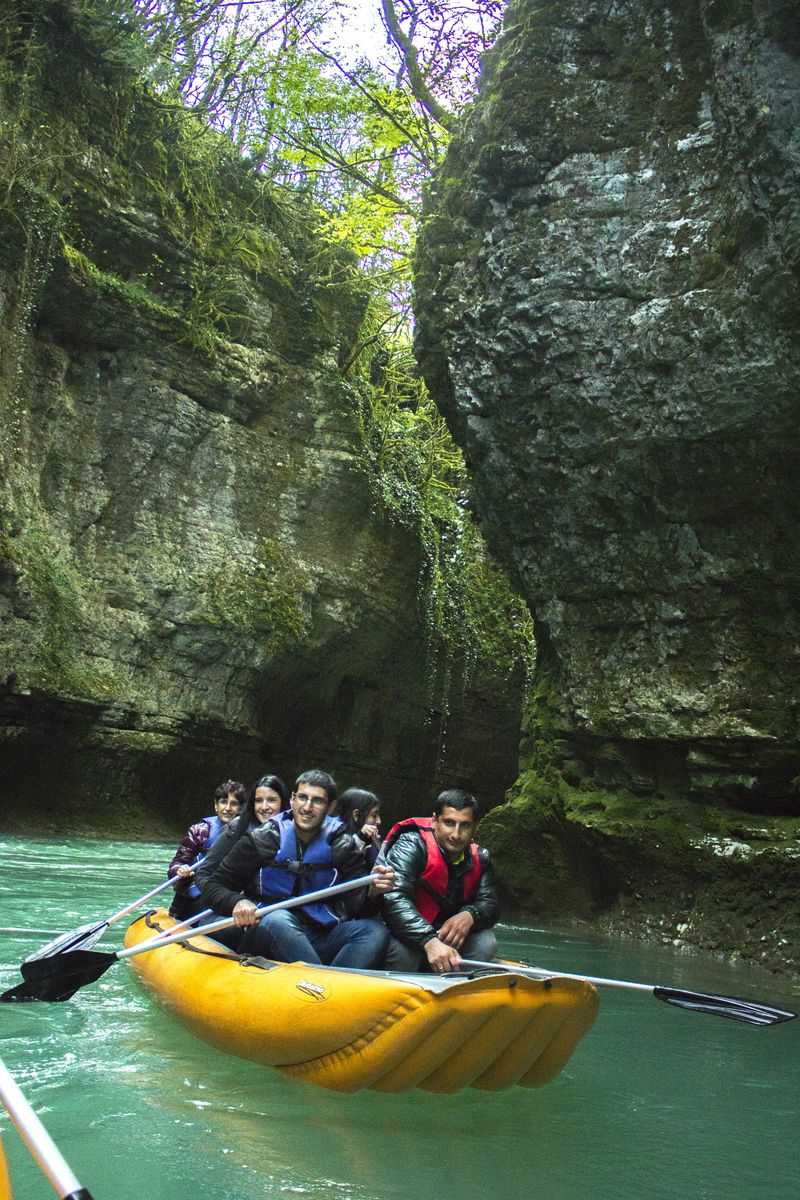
(314, 801)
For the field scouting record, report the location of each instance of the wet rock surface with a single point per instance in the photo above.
(608, 314)
(196, 582)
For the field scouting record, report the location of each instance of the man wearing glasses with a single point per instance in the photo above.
(298, 851)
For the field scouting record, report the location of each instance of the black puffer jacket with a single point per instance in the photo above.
(409, 858)
(223, 883)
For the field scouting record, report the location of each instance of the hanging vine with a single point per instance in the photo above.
(470, 614)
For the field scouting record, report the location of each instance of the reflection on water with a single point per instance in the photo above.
(657, 1103)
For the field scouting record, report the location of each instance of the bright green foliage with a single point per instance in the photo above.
(358, 138)
(106, 284)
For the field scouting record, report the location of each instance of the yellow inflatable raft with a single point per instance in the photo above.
(348, 1029)
(5, 1178)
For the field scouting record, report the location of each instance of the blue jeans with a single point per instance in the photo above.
(288, 937)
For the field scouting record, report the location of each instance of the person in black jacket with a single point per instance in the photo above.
(444, 901)
(300, 851)
(268, 796)
(362, 812)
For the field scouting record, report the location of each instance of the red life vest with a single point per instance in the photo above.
(432, 885)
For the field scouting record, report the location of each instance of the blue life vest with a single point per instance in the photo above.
(215, 828)
(289, 874)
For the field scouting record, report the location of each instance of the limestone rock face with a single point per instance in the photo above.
(608, 310)
(196, 581)
(608, 314)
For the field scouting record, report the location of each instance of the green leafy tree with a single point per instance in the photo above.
(359, 137)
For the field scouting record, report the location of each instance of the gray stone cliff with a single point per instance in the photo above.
(608, 304)
(196, 581)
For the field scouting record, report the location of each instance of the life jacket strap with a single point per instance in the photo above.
(303, 870)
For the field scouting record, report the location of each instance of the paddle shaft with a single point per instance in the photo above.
(38, 1140)
(750, 1012)
(201, 916)
(541, 973)
(228, 922)
(59, 977)
(123, 912)
(87, 935)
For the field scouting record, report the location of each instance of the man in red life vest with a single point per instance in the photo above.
(444, 900)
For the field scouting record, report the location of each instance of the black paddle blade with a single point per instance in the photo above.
(78, 939)
(18, 994)
(725, 1006)
(61, 976)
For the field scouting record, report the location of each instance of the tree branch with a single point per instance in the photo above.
(415, 75)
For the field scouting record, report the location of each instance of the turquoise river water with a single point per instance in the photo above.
(656, 1104)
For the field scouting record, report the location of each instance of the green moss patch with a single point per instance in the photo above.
(56, 600)
(263, 601)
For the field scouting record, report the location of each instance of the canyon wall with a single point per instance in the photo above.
(197, 581)
(608, 308)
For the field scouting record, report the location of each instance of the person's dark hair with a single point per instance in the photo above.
(455, 798)
(320, 779)
(231, 787)
(247, 816)
(354, 804)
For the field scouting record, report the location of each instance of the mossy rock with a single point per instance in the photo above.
(680, 871)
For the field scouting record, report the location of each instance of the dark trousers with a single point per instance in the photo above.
(288, 937)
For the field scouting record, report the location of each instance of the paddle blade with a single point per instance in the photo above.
(724, 1006)
(17, 994)
(79, 939)
(60, 977)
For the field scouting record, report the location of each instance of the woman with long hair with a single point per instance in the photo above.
(268, 796)
(361, 810)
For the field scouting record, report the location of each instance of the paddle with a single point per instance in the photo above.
(38, 1140)
(59, 977)
(201, 916)
(718, 1006)
(85, 937)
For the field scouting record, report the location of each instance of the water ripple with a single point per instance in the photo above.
(651, 1106)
